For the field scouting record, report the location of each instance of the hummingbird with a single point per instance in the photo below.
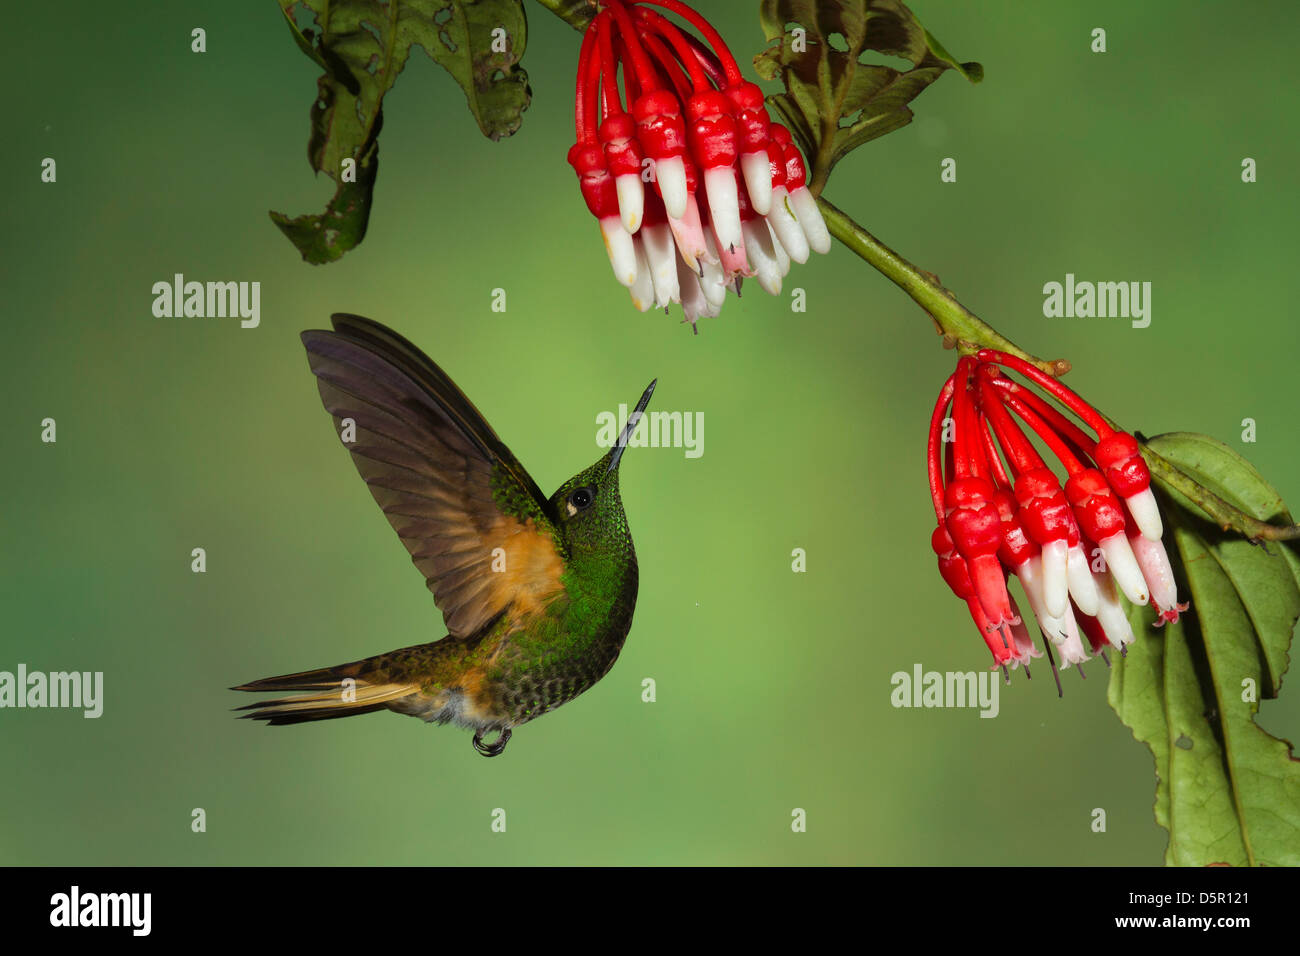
(537, 593)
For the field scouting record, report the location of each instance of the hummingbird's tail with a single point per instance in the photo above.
(342, 691)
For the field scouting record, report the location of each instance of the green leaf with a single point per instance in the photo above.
(362, 46)
(835, 98)
(1227, 791)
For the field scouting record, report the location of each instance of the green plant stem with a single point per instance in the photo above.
(576, 13)
(960, 327)
(1225, 515)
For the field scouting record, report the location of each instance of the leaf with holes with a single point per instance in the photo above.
(1226, 790)
(835, 100)
(362, 46)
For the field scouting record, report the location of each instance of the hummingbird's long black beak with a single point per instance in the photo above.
(630, 426)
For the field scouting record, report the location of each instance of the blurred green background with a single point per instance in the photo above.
(773, 687)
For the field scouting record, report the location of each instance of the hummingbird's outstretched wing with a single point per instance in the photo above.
(476, 524)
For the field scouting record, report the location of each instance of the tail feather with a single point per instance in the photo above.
(335, 699)
(274, 718)
(322, 678)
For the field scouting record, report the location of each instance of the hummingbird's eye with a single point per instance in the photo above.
(580, 498)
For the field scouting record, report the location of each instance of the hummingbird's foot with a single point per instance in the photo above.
(494, 748)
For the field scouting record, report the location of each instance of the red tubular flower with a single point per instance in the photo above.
(656, 103)
(617, 135)
(1002, 510)
(953, 568)
(961, 516)
(785, 225)
(1128, 475)
(1101, 518)
(712, 136)
(752, 135)
(662, 132)
(588, 160)
(803, 204)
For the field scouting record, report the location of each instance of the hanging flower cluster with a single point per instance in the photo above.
(729, 196)
(1002, 511)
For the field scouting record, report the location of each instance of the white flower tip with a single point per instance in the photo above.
(1156, 571)
(810, 220)
(692, 297)
(621, 250)
(782, 257)
(661, 254)
(631, 200)
(670, 173)
(1110, 615)
(642, 288)
(762, 256)
(712, 286)
(724, 205)
(1056, 593)
(1083, 588)
(757, 170)
(1087, 604)
(1147, 514)
(1124, 568)
(769, 281)
(788, 231)
(1073, 653)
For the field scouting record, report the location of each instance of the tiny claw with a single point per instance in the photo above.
(494, 748)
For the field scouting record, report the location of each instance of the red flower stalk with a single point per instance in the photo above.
(1002, 510)
(655, 103)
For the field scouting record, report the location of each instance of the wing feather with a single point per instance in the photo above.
(458, 499)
